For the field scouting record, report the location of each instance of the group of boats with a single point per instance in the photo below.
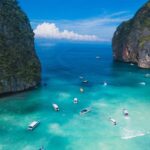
(86, 81)
(75, 101)
(125, 113)
(34, 124)
(83, 81)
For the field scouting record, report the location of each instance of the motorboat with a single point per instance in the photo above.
(142, 83)
(97, 57)
(131, 64)
(85, 110)
(113, 121)
(105, 83)
(81, 90)
(147, 75)
(125, 112)
(81, 77)
(55, 106)
(33, 125)
(85, 81)
(75, 100)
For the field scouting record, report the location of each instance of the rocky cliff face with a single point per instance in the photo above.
(19, 66)
(131, 41)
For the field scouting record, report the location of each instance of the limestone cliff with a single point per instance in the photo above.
(19, 66)
(131, 41)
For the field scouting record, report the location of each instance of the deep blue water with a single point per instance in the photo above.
(62, 65)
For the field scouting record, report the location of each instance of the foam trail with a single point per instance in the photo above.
(133, 136)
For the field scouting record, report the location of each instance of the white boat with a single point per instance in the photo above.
(131, 64)
(147, 75)
(125, 112)
(142, 83)
(113, 121)
(97, 57)
(85, 81)
(105, 83)
(81, 90)
(84, 111)
(55, 106)
(75, 100)
(33, 125)
(81, 77)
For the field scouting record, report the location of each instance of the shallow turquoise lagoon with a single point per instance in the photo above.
(63, 64)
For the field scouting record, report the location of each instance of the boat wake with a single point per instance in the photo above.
(131, 136)
(127, 117)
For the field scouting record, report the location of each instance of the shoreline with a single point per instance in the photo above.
(17, 92)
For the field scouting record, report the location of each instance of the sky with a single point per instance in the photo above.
(78, 20)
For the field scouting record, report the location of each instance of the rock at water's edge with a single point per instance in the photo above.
(131, 41)
(20, 68)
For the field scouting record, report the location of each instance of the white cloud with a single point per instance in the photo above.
(50, 30)
(92, 29)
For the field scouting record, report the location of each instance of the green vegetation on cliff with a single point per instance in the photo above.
(19, 66)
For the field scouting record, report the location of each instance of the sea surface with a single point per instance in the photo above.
(63, 65)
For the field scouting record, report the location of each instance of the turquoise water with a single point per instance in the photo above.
(67, 129)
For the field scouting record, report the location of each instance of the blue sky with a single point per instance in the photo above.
(89, 20)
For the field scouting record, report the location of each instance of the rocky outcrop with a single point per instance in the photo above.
(19, 66)
(131, 41)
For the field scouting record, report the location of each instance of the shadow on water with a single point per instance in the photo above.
(20, 108)
(59, 142)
